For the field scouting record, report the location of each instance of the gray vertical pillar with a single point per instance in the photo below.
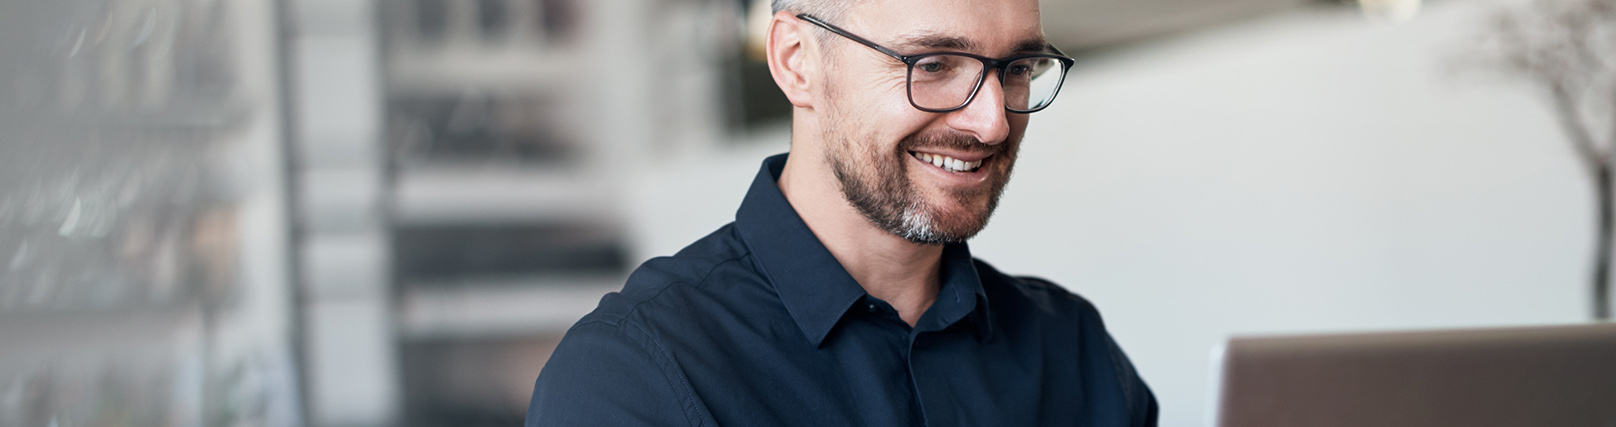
(343, 236)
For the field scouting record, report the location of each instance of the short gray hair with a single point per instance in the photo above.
(827, 10)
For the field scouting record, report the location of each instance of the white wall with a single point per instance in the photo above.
(1304, 172)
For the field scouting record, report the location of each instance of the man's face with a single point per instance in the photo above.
(886, 153)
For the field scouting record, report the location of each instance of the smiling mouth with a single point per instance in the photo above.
(948, 163)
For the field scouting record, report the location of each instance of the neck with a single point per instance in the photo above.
(902, 273)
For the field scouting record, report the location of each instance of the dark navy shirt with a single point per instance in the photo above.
(757, 325)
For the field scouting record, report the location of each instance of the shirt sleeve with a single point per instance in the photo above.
(1141, 401)
(604, 374)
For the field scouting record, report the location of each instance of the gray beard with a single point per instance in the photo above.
(884, 194)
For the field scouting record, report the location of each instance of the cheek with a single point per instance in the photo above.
(1018, 130)
(1018, 122)
(882, 129)
(884, 102)
(875, 114)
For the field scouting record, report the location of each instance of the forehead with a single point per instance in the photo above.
(979, 26)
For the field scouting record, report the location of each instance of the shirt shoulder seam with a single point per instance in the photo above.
(697, 283)
(660, 356)
(664, 359)
(626, 314)
(675, 377)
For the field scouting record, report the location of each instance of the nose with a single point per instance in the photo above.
(985, 117)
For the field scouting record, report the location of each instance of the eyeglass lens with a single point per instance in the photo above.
(946, 81)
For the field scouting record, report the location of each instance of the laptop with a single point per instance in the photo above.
(1514, 377)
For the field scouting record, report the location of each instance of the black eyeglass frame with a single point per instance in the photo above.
(987, 65)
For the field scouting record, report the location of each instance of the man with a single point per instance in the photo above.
(844, 292)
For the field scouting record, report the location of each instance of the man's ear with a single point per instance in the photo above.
(787, 54)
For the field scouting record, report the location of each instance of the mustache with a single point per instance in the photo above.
(956, 141)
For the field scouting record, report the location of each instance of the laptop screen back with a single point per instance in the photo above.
(1542, 376)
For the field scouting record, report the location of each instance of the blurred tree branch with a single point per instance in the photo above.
(1568, 49)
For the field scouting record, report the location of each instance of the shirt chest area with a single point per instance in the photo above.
(873, 369)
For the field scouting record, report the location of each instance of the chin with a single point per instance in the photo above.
(954, 220)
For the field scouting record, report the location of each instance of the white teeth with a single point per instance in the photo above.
(948, 163)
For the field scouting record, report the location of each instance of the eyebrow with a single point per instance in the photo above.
(928, 40)
(936, 41)
(1033, 45)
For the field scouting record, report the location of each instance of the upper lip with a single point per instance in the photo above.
(964, 156)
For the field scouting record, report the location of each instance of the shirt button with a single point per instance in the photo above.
(872, 308)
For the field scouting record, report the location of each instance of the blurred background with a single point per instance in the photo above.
(387, 212)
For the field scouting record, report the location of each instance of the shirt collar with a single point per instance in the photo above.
(814, 287)
(960, 296)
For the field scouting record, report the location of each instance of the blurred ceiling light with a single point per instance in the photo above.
(1397, 11)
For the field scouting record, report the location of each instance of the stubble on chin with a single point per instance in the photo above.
(876, 182)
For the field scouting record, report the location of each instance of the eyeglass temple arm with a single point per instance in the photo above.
(840, 32)
(850, 36)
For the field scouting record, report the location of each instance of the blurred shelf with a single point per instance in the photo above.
(456, 195)
(47, 333)
(495, 307)
(177, 116)
(451, 70)
(87, 308)
(440, 254)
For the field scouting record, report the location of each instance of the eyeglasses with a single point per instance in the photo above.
(940, 82)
